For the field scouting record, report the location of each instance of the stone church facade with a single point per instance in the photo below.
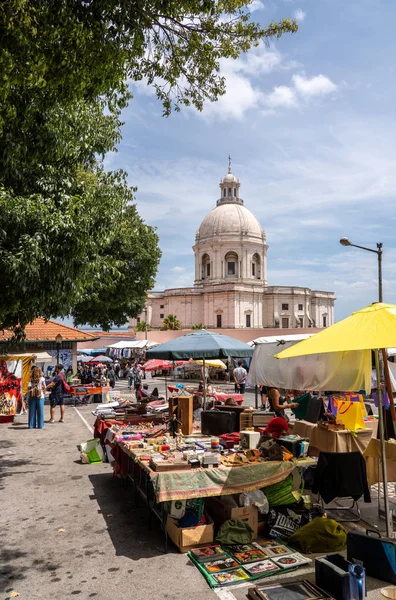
(230, 289)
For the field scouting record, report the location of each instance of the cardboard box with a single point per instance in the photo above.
(190, 537)
(221, 513)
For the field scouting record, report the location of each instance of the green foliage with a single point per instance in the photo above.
(171, 322)
(71, 240)
(198, 326)
(141, 326)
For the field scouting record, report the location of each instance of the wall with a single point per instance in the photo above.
(244, 335)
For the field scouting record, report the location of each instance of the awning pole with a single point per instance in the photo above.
(388, 520)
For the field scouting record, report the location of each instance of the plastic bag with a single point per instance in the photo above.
(91, 451)
(256, 498)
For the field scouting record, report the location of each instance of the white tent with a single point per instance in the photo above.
(133, 344)
(40, 357)
(332, 371)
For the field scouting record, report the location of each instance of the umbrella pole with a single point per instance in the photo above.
(204, 383)
(389, 386)
(166, 390)
(388, 520)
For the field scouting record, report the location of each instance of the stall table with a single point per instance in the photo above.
(372, 456)
(323, 440)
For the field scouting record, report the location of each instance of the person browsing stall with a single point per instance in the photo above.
(277, 405)
(57, 394)
(240, 375)
(36, 392)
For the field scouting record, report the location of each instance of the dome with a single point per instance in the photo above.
(230, 219)
(230, 178)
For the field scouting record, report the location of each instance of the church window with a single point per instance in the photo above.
(300, 307)
(231, 264)
(324, 320)
(301, 320)
(285, 323)
(218, 321)
(225, 193)
(208, 270)
(162, 305)
(248, 321)
(138, 320)
(205, 266)
(229, 191)
(230, 268)
(285, 307)
(256, 264)
(161, 315)
(235, 192)
(254, 269)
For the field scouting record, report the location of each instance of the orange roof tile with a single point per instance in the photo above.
(46, 331)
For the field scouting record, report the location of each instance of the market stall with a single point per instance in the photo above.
(14, 379)
(323, 439)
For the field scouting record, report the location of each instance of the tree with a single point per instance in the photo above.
(171, 322)
(71, 241)
(198, 326)
(142, 325)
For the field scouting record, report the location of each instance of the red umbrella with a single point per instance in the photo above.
(158, 364)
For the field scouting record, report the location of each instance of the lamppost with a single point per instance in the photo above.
(346, 242)
(58, 340)
(145, 322)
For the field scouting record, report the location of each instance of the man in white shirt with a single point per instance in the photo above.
(240, 375)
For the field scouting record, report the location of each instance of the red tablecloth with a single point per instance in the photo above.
(100, 427)
(221, 397)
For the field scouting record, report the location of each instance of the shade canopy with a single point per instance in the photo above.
(159, 364)
(366, 329)
(102, 359)
(133, 344)
(201, 344)
(215, 363)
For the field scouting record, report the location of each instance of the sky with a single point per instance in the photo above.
(310, 124)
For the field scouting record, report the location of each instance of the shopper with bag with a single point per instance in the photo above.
(36, 391)
(58, 387)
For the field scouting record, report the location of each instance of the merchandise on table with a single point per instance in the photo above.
(208, 553)
(291, 561)
(230, 577)
(224, 564)
(260, 567)
(250, 556)
(278, 550)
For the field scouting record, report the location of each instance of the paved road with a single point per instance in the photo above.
(69, 530)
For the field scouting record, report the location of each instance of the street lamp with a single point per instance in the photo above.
(58, 340)
(346, 242)
(145, 322)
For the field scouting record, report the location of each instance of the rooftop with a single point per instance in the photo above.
(46, 331)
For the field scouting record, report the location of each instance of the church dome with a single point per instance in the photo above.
(229, 219)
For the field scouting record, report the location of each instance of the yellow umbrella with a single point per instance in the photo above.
(217, 364)
(366, 329)
(371, 328)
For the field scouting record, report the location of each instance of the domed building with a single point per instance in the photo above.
(230, 288)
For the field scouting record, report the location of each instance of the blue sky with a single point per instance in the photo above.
(310, 125)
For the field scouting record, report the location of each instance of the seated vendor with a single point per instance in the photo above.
(140, 397)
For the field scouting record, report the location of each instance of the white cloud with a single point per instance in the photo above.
(178, 269)
(256, 5)
(299, 15)
(319, 85)
(281, 96)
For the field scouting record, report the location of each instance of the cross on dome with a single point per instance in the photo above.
(229, 163)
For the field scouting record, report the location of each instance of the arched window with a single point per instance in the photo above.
(229, 191)
(235, 192)
(256, 266)
(224, 192)
(205, 272)
(231, 264)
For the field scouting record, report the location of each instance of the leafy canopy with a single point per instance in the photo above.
(71, 240)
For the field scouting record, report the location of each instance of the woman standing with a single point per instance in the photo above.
(36, 391)
(277, 405)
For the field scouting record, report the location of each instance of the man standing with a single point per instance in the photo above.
(240, 375)
(57, 395)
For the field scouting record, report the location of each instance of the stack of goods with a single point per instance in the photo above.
(226, 565)
(7, 404)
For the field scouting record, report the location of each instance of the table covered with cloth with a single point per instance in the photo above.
(322, 439)
(213, 481)
(372, 456)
